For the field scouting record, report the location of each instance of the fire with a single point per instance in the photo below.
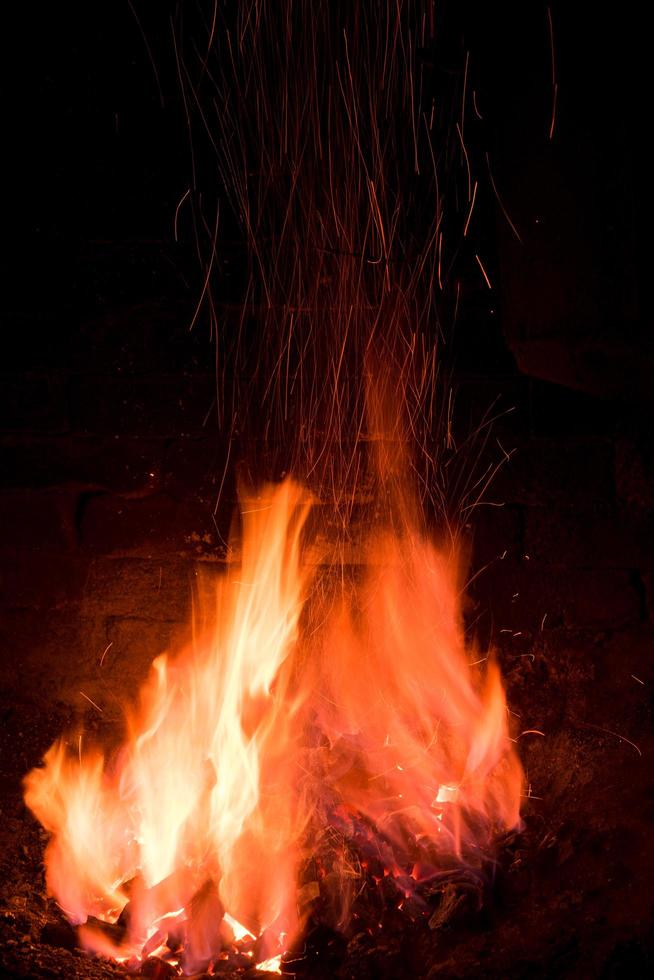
(343, 723)
(327, 734)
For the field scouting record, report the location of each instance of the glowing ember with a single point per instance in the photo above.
(340, 725)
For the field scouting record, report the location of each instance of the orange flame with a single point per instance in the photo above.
(298, 709)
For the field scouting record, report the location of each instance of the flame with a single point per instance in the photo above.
(301, 708)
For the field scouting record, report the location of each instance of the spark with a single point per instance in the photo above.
(177, 209)
(91, 701)
(149, 51)
(207, 277)
(501, 202)
(467, 160)
(104, 653)
(463, 96)
(555, 86)
(608, 731)
(212, 31)
(454, 320)
(483, 271)
(472, 204)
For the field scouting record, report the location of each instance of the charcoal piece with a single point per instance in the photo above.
(124, 920)
(308, 893)
(450, 904)
(157, 969)
(391, 890)
(59, 934)
(413, 908)
(405, 884)
(375, 868)
(170, 893)
(458, 901)
(240, 961)
(113, 931)
(162, 898)
(360, 942)
(225, 968)
(222, 968)
(465, 879)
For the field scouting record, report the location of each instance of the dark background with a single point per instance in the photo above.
(112, 456)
